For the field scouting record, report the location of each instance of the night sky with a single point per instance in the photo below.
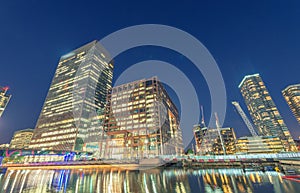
(244, 37)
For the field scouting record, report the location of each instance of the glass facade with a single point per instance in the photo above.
(4, 99)
(199, 132)
(141, 121)
(263, 111)
(208, 141)
(21, 139)
(70, 116)
(292, 97)
(259, 144)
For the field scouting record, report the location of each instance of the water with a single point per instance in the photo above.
(148, 181)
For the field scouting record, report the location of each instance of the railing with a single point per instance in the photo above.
(242, 157)
(170, 158)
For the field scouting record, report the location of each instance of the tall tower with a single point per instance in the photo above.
(292, 97)
(4, 99)
(78, 90)
(140, 121)
(263, 111)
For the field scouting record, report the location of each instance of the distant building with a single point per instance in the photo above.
(199, 133)
(4, 146)
(297, 142)
(259, 144)
(21, 139)
(211, 144)
(141, 121)
(76, 98)
(292, 97)
(4, 99)
(263, 111)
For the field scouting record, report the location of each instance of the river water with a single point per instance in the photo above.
(148, 181)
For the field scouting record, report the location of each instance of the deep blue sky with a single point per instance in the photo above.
(245, 37)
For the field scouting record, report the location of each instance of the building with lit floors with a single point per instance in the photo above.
(141, 121)
(297, 142)
(212, 144)
(263, 110)
(21, 139)
(75, 100)
(292, 97)
(199, 132)
(259, 144)
(4, 146)
(4, 99)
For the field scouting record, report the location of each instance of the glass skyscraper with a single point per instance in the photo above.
(75, 101)
(4, 99)
(292, 97)
(141, 121)
(263, 111)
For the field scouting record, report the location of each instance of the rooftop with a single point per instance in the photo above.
(246, 77)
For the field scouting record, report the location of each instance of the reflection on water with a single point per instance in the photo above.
(154, 180)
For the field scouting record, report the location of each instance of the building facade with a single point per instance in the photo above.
(297, 142)
(4, 146)
(141, 121)
(21, 139)
(259, 144)
(263, 111)
(199, 133)
(76, 98)
(212, 144)
(4, 99)
(292, 97)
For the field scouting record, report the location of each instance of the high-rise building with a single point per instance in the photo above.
(21, 139)
(259, 144)
(292, 97)
(76, 97)
(210, 142)
(263, 111)
(4, 99)
(141, 121)
(199, 133)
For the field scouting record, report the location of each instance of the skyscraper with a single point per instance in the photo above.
(76, 97)
(292, 97)
(4, 99)
(263, 111)
(141, 121)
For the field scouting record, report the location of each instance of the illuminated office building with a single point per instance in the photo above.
(259, 144)
(199, 133)
(263, 111)
(21, 139)
(297, 142)
(4, 99)
(75, 100)
(141, 121)
(292, 97)
(4, 146)
(212, 144)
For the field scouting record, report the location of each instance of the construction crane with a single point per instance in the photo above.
(202, 117)
(219, 133)
(245, 119)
